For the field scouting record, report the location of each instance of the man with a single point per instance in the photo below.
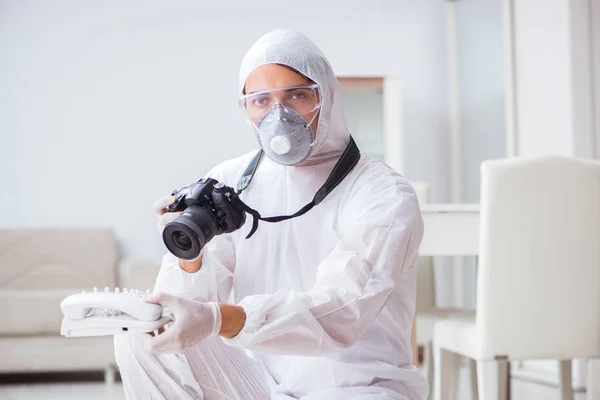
(323, 303)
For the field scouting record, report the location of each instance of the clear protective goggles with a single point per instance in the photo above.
(303, 99)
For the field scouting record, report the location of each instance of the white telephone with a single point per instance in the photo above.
(109, 313)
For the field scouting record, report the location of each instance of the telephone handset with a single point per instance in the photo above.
(109, 313)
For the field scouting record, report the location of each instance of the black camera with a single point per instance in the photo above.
(208, 210)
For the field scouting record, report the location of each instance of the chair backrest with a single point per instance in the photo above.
(538, 292)
(57, 258)
(425, 271)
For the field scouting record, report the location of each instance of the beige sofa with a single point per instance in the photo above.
(39, 268)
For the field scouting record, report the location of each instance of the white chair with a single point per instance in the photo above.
(427, 312)
(538, 287)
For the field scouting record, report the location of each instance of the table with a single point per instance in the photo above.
(450, 230)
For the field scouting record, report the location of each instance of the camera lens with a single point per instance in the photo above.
(182, 241)
(188, 234)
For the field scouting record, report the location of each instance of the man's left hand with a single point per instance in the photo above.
(194, 321)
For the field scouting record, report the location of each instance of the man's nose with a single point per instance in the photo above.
(277, 100)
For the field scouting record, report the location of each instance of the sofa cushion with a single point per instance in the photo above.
(55, 353)
(31, 312)
(57, 258)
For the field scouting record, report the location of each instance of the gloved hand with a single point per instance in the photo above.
(194, 321)
(160, 207)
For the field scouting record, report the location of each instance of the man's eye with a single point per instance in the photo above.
(260, 101)
(299, 95)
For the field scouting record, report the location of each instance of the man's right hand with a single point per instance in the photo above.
(164, 217)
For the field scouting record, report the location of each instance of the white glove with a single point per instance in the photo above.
(160, 207)
(194, 321)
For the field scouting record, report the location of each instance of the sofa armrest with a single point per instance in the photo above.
(138, 274)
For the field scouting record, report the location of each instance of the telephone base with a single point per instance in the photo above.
(106, 326)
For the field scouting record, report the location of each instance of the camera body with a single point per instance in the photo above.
(208, 211)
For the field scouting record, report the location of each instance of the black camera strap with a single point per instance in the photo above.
(343, 167)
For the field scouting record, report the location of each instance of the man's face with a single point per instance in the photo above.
(275, 76)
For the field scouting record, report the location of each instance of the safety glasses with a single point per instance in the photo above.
(303, 99)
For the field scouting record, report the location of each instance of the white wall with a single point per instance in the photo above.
(480, 62)
(542, 43)
(553, 75)
(596, 70)
(105, 106)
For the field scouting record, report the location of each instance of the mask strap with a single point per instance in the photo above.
(343, 167)
(313, 118)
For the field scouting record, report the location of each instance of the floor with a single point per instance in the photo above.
(98, 390)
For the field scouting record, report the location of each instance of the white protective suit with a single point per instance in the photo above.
(329, 296)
